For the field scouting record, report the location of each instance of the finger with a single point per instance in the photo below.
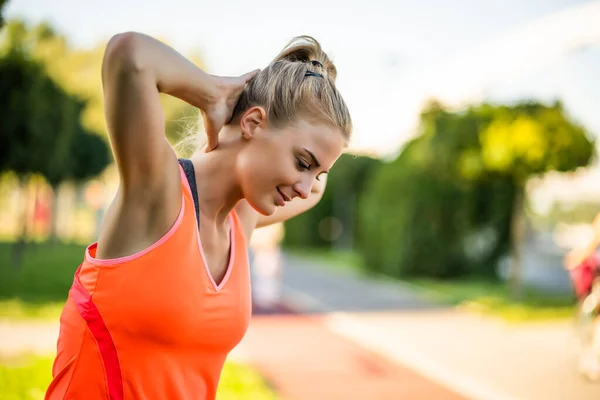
(247, 77)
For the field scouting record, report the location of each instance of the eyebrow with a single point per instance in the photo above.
(314, 159)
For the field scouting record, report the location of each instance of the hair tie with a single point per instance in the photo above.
(311, 73)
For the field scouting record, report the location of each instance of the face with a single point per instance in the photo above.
(277, 166)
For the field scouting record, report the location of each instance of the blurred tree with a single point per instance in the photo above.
(451, 203)
(525, 140)
(91, 157)
(38, 119)
(2, 4)
(79, 73)
(52, 104)
(38, 123)
(332, 221)
(88, 155)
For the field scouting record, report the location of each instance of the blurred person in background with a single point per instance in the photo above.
(266, 267)
(583, 264)
(164, 294)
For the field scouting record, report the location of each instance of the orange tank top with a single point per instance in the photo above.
(153, 325)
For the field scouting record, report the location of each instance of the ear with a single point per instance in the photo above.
(253, 119)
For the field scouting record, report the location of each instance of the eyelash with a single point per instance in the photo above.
(303, 166)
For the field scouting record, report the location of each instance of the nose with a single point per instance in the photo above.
(304, 187)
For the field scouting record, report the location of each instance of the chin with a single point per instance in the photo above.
(263, 208)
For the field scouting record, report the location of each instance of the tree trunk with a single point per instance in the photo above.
(54, 215)
(516, 241)
(18, 248)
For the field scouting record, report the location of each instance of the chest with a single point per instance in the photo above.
(184, 311)
(217, 252)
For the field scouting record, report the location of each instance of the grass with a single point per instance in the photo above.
(39, 288)
(239, 381)
(26, 378)
(344, 260)
(487, 297)
(17, 309)
(494, 298)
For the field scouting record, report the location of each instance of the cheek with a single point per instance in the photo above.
(245, 171)
(255, 174)
(264, 170)
(257, 182)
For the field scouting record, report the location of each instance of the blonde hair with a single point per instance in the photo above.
(299, 82)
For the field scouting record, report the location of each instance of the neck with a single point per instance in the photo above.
(216, 180)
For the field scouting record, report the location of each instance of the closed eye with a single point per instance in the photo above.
(302, 165)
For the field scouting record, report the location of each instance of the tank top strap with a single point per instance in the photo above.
(188, 169)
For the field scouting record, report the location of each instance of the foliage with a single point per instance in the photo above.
(345, 183)
(445, 207)
(39, 120)
(2, 5)
(78, 71)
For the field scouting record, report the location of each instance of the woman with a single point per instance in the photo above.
(583, 264)
(164, 294)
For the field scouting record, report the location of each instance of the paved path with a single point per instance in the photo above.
(299, 355)
(479, 357)
(304, 360)
(316, 288)
(27, 337)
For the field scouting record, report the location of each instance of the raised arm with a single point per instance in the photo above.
(136, 68)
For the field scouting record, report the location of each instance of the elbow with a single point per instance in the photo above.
(317, 192)
(316, 196)
(123, 53)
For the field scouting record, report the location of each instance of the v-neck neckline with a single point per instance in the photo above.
(218, 287)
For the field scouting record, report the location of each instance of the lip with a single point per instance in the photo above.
(280, 199)
(285, 197)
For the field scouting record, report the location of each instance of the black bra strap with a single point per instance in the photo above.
(188, 168)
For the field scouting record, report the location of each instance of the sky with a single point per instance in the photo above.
(391, 55)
